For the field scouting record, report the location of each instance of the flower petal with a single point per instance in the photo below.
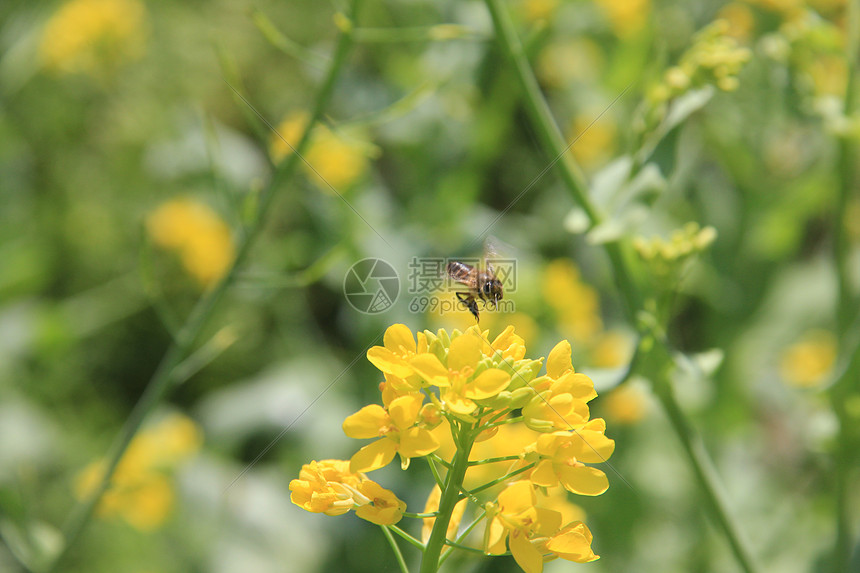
(398, 339)
(573, 543)
(388, 362)
(416, 442)
(558, 362)
(428, 367)
(525, 554)
(582, 479)
(404, 410)
(373, 456)
(366, 423)
(487, 384)
(544, 474)
(465, 351)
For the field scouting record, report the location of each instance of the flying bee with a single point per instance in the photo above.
(482, 284)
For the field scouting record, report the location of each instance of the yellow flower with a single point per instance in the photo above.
(740, 19)
(398, 430)
(461, 384)
(562, 396)
(611, 350)
(576, 304)
(383, 507)
(197, 234)
(626, 16)
(399, 348)
(536, 10)
(573, 543)
(325, 487)
(335, 161)
(626, 404)
(515, 518)
(140, 490)
(595, 138)
(563, 453)
(806, 363)
(93, 35)
(329, 487)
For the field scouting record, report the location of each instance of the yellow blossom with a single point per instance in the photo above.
(197, 234)
(576, 304)
(140, 491)
(563, 395)
(626, 17)
(398, 430)
(626, 404)
(399, 347)
(563, 453)
(611, 350)
(332, 159)
(329, 487)
(92, 36)
(595, 137)
(536, 10)
(807, 363)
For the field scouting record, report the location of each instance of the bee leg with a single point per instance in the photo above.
(469, 300)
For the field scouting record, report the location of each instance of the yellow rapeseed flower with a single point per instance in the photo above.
(141, 491)
(200, 237)
(807, 363)
(595, 138)
(626, 404)
(576, 303)
(332, 159)
(627, 17)
(93, 36)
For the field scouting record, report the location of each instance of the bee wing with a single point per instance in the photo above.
(493, 249)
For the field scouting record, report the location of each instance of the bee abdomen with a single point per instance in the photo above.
(459, 271)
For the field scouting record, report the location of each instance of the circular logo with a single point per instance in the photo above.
(371, 286)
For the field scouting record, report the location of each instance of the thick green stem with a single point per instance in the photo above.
(163, 378)
(450, 497)
(704, 471)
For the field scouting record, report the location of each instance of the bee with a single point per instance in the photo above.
(481, 284)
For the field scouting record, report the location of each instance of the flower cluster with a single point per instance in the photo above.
(445, 393)
(715, 58)
(197, 233)
(93, 36)
(666, 255)
(141, 490)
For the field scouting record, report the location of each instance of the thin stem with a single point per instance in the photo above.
(505, 477)
(406, 536)
(846, 309)
(704, 471)
(450, 497)
(494, 460)
(395, 548)
(435, 472)
(463, 536)
(164, 376)
(555, 147)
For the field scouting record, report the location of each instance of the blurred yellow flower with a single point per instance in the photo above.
(807, 363)
(577, 304)
(197, 234)
(92, 36)
(740, 19)
(536, 10)
(569, 60)
(611, 350)
(829, 74)
(335, 161)
(626, 16)
(626, 404)
(140, 492)
(595, 138)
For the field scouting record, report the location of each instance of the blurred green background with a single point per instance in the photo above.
(129, 169)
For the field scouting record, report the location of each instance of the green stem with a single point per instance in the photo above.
(450, 497)
(704, 471)
(846, 309)
(395, 548)
(556, 149)
(164, 376)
